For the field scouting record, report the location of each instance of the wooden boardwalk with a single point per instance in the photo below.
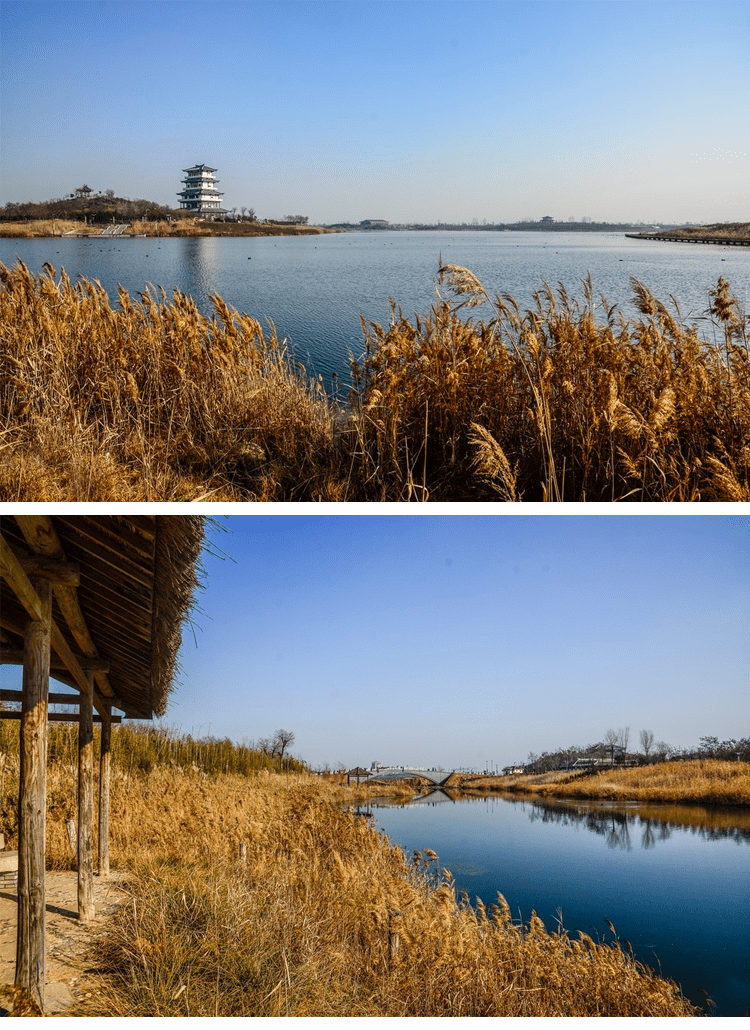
(725, 241)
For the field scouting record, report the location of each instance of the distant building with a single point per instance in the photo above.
(374, 223)
(548, 218)
(200, 196)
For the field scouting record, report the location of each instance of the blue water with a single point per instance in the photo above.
(680, 894)
(314, 288)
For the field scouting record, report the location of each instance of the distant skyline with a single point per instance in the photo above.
(460, 640)
(406, 111)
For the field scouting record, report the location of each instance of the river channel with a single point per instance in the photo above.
(674, 880)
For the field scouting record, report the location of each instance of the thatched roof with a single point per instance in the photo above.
(138, 575)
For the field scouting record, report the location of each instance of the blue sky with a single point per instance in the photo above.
(401, 110)
(461, 640)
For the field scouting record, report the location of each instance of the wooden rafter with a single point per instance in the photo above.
(42, 538)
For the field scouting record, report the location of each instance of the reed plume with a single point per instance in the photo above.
(152, 400)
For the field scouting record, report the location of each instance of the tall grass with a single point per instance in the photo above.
(323, 917)
(153, 401)
(149, 400)
(701, 781)
(136, 752)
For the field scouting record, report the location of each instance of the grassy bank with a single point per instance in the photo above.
(320, 917)
(149, 227)
(151, 400)
(719, 230)
(704, 781)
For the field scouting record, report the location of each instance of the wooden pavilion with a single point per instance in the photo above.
(98, 603)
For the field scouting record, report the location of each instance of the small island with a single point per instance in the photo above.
(87, 213)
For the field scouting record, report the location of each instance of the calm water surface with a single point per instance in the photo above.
(315, 288)
(674, 880)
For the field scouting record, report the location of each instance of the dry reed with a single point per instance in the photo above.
(321, 916)
(153, 401)
(701, 781)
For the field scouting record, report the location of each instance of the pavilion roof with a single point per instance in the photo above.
(137, 579)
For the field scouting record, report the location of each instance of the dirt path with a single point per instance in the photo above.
(71, 976)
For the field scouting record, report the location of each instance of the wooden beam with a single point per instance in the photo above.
(58, 717)
(60, 644)
(12, 656)
(104, 781)
(13, 574)
(32, 801)
(15, 626)
(53, 699)
(86, 805)
(56, 571)
(39, 533)
(12, 571)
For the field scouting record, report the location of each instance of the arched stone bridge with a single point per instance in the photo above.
(406, 772)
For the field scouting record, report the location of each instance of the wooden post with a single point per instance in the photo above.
(86, 803)
(394, 937)
(32, 800)
(104, 793)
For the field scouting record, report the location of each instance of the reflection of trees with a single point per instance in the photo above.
(618, 837)
(615, 824)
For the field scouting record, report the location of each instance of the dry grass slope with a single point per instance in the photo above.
(149, 227)
(703, 781)
(152, 400)
(325, 918)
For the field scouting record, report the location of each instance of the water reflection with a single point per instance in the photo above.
(655, 822)
(199, 268)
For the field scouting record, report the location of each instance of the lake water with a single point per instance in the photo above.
(674, 880)
(314, 288)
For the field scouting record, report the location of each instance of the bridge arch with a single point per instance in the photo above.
(400, 772)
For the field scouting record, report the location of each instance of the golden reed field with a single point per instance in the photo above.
(149, 399)
(318, 916)
(701, 781)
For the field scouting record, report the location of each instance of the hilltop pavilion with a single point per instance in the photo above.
(200, 196)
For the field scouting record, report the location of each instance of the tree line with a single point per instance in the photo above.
(615, 748)
(139, 748)
(83, 204)
(102, 207)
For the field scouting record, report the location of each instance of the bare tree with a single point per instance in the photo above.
(662, 749)
(623, 740)
(282, 739)
(265, 746)
(611, 739)
(647, 741)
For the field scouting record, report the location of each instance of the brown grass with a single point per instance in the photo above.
(153, 401)
(150, 400)
(718, 230)
(41, 227)
(148, 227)
(702, 781)
(322, 918)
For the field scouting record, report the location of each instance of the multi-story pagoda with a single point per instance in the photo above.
(200, 196)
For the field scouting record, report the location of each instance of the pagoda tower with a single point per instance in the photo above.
(200, 196)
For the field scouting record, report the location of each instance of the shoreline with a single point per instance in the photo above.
(724, 241)
(161, 230)
(699, 782)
